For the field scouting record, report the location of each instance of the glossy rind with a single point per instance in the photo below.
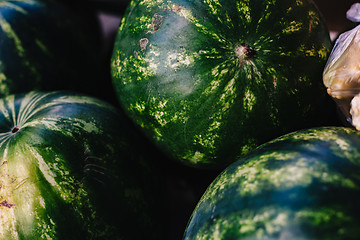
(202, 78)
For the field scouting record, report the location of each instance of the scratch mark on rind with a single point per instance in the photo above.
(143, 43)
(156, 22)
(20, 183)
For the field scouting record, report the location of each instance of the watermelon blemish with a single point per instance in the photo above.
(156, 22)
(6, 204)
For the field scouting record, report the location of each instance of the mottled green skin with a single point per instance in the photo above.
(304, 185)
(46, 47)
(179, 72)
(72, 172)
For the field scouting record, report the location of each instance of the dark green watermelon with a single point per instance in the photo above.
(208, 81)
(45, 46)
(304, 185)
(71, 168)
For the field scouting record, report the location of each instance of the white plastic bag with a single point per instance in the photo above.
(341, 74)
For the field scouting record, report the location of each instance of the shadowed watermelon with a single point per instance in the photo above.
(44, 46)
(71, 168)
(304, 185)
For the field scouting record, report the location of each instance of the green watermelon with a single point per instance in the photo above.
(304, 185)
(70, 168)
(207, 81)
(44, 46)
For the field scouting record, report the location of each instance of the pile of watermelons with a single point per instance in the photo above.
(190, 119)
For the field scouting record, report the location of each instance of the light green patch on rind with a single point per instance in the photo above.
(33, 103)
(292, 27)
(200, 27)
(151, 4)
(19, 187)
(328, 134)
(44, 168)
(252, 175)
(22, 189)
(249, 100)
(43, 47)
(6, 27)
(243, 7)
(160, 65)
(267, 11)
(214, 5)
(122, 65)
(273, 222)
(16, 7)
(36, 181)
(281, 190)
(4, 87)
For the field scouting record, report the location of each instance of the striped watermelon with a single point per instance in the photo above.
(44, 47)
(304, 185)
(202, 78)
(67, 171)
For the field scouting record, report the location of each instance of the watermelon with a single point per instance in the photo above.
(71, 168)
(207, 81)
(303, 185)
(44, 46)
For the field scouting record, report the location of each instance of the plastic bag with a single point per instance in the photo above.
(341, 74)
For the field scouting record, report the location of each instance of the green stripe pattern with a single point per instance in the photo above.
(304, 185)
(203, 76)
(65, 170)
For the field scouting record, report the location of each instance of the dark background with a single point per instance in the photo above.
(111, 11)
(184, 185)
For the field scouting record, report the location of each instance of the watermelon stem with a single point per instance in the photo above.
(15, 129)
(244, 52)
